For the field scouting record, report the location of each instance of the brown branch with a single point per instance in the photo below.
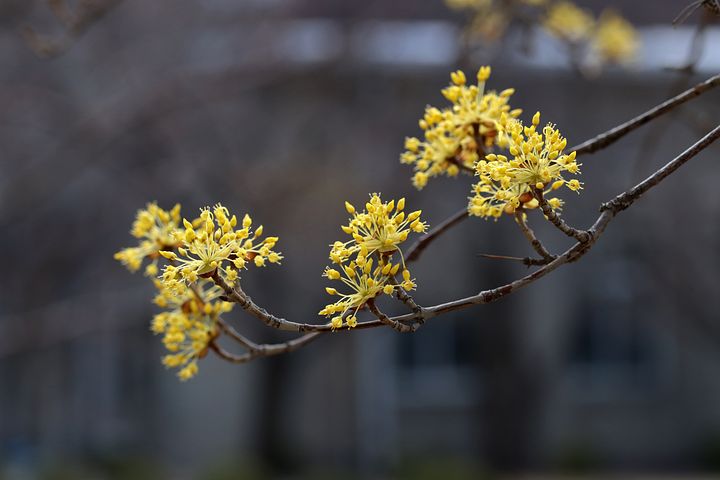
(405, 297)
(235, 335)
(624, 200)
(255, 350)
(412, 321)
(265, 349)
(75, 23)
(394, 324)
(555, 219)
(416, 249)
(651, 141)
(613, 135)
(608, 212)
(530, 236)
(527, 261)
(589, 146)
(237, 295)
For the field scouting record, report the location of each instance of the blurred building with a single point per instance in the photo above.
(285, 109)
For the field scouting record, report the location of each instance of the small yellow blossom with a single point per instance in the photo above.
(490, 18)
(188, 324)
(156, 229)
(537, 160)
(569, 22)
(381, 227)
(615, 39)
(364, 264)
(213, 243)
(457, 136)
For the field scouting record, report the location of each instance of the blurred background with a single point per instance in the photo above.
(286, 108)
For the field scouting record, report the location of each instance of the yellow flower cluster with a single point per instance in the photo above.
(189, 323)
(156, 229)
(537, 161)
(491, 17)
(365, 264)
(569, 22)
(195, 252)
(615, 39)
(212, 244)
(457, 136)
(611, 38)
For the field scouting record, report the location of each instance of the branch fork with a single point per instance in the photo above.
(548, 262)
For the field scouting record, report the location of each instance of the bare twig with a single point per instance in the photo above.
(555, 219)
(527, 261)
(530, 236)
(624, 200)
(75, 23)
(652, 140)
(237, 295)
(416, 249)
(264, 350)
(613, 135)
(235, 335)
(394, 324)
(405, 297)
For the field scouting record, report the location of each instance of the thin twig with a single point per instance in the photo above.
(416, 249)
(613, 135)
(652, 140)
(624, 200)
(555, 219)
(530, 236)
(394, 324)
(405, 297)
(237, 295)
(264, 350)
(235, 335)
(75, 23)
(527, 261)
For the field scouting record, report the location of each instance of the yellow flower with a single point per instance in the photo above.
(457, 136)
(213, 244)
(490, 19)
(537, 161)
(569, 22)
(365, 283)
(188, 324)
(156, 229)
(615, 39)
(381, 227)
(364, 264)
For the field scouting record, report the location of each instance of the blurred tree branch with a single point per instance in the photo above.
(75, 22)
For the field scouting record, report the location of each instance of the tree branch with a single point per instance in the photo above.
(416, 249)
(589, 146)
(412, 321)
(555, 219)
(530, 236)
(624, 200)
(527, 261)
(613, 135)
(394, 324)
(255, 350)
(405, 297)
